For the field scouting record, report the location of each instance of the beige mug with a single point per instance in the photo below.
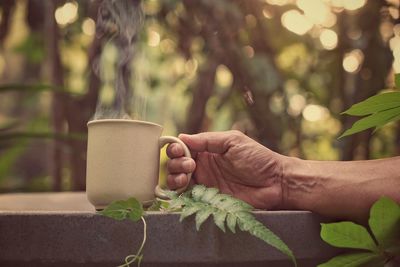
(123, 159)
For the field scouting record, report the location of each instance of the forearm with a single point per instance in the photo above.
(339, 189)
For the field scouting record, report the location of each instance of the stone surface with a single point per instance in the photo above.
(50, 234)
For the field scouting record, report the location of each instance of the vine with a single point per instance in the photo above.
(201, 202)
(130, 209)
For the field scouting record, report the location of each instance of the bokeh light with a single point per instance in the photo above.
(88, 27)
(315, 113)
(296, 22)
(354, 4)
(348, 4)
(267, 13)
(352, 61)
(394, 44)
(223, 77)
(316, 11)
(67, 14)
(249, 51)
(296, 105)
(153, 38)
(279, 2)
(328, 39)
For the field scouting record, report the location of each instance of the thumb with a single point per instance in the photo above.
(214, 142)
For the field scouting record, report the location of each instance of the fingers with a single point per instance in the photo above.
(175, 150)
(181, 165)
(214, 142)
(175, 181)
(178, 169)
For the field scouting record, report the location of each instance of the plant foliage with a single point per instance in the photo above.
(130, 209)
(378, 111)
(373, 250)
(119, 210)
(226, 211)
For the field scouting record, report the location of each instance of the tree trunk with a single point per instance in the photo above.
(57, 105)
(371, 78)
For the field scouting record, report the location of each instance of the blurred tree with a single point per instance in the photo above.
(279, 70)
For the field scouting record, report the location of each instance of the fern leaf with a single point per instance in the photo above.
(187, 211)
(219, 219)
(198, 191)
(202, 215)
(258, 230)
(176, 203)
(209, 194)
(205, 202)
(231, 222)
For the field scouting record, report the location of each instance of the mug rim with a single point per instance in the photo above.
(122, 120)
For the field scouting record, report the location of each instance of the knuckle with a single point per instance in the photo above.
(236, 133)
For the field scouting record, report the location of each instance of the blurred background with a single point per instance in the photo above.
(281, 71)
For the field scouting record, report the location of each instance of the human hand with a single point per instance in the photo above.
(233, 163)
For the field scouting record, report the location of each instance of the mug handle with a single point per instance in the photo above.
(159, 192)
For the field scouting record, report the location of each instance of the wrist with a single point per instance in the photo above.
(296, 185)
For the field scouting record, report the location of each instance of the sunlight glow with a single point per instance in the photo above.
(67, 14)
(394, 44)
(315, 113)
(223, 77)
(348, 4)
(296, 22)
(296, 105)
(354, 4)
(316, 11)
(328, 39)
(153, 38)
(267, 13)
(278, 2)
(249, 51)
(352, 61)
(89, 27)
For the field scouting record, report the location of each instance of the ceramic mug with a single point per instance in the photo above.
(123, 160)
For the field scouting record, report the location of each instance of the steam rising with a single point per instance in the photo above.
(118, 21)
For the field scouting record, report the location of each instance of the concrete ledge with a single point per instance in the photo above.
(82, 238)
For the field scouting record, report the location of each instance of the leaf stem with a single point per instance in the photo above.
(132, 258)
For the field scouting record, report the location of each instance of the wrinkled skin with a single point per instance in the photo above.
(233, 163)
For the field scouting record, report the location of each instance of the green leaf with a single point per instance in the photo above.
(176, 203)
(124, 209)
(258, 230)
(354, 260)
(198, 191)
(202, 215)
(209, 194)
(375, 104)
(397, 80)
(206, 201)
(347, 235)
(189, 210)
(384, 221)
(155, 206)
(231, 222)
(171, 194)
(374, 120)
(219, 219)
